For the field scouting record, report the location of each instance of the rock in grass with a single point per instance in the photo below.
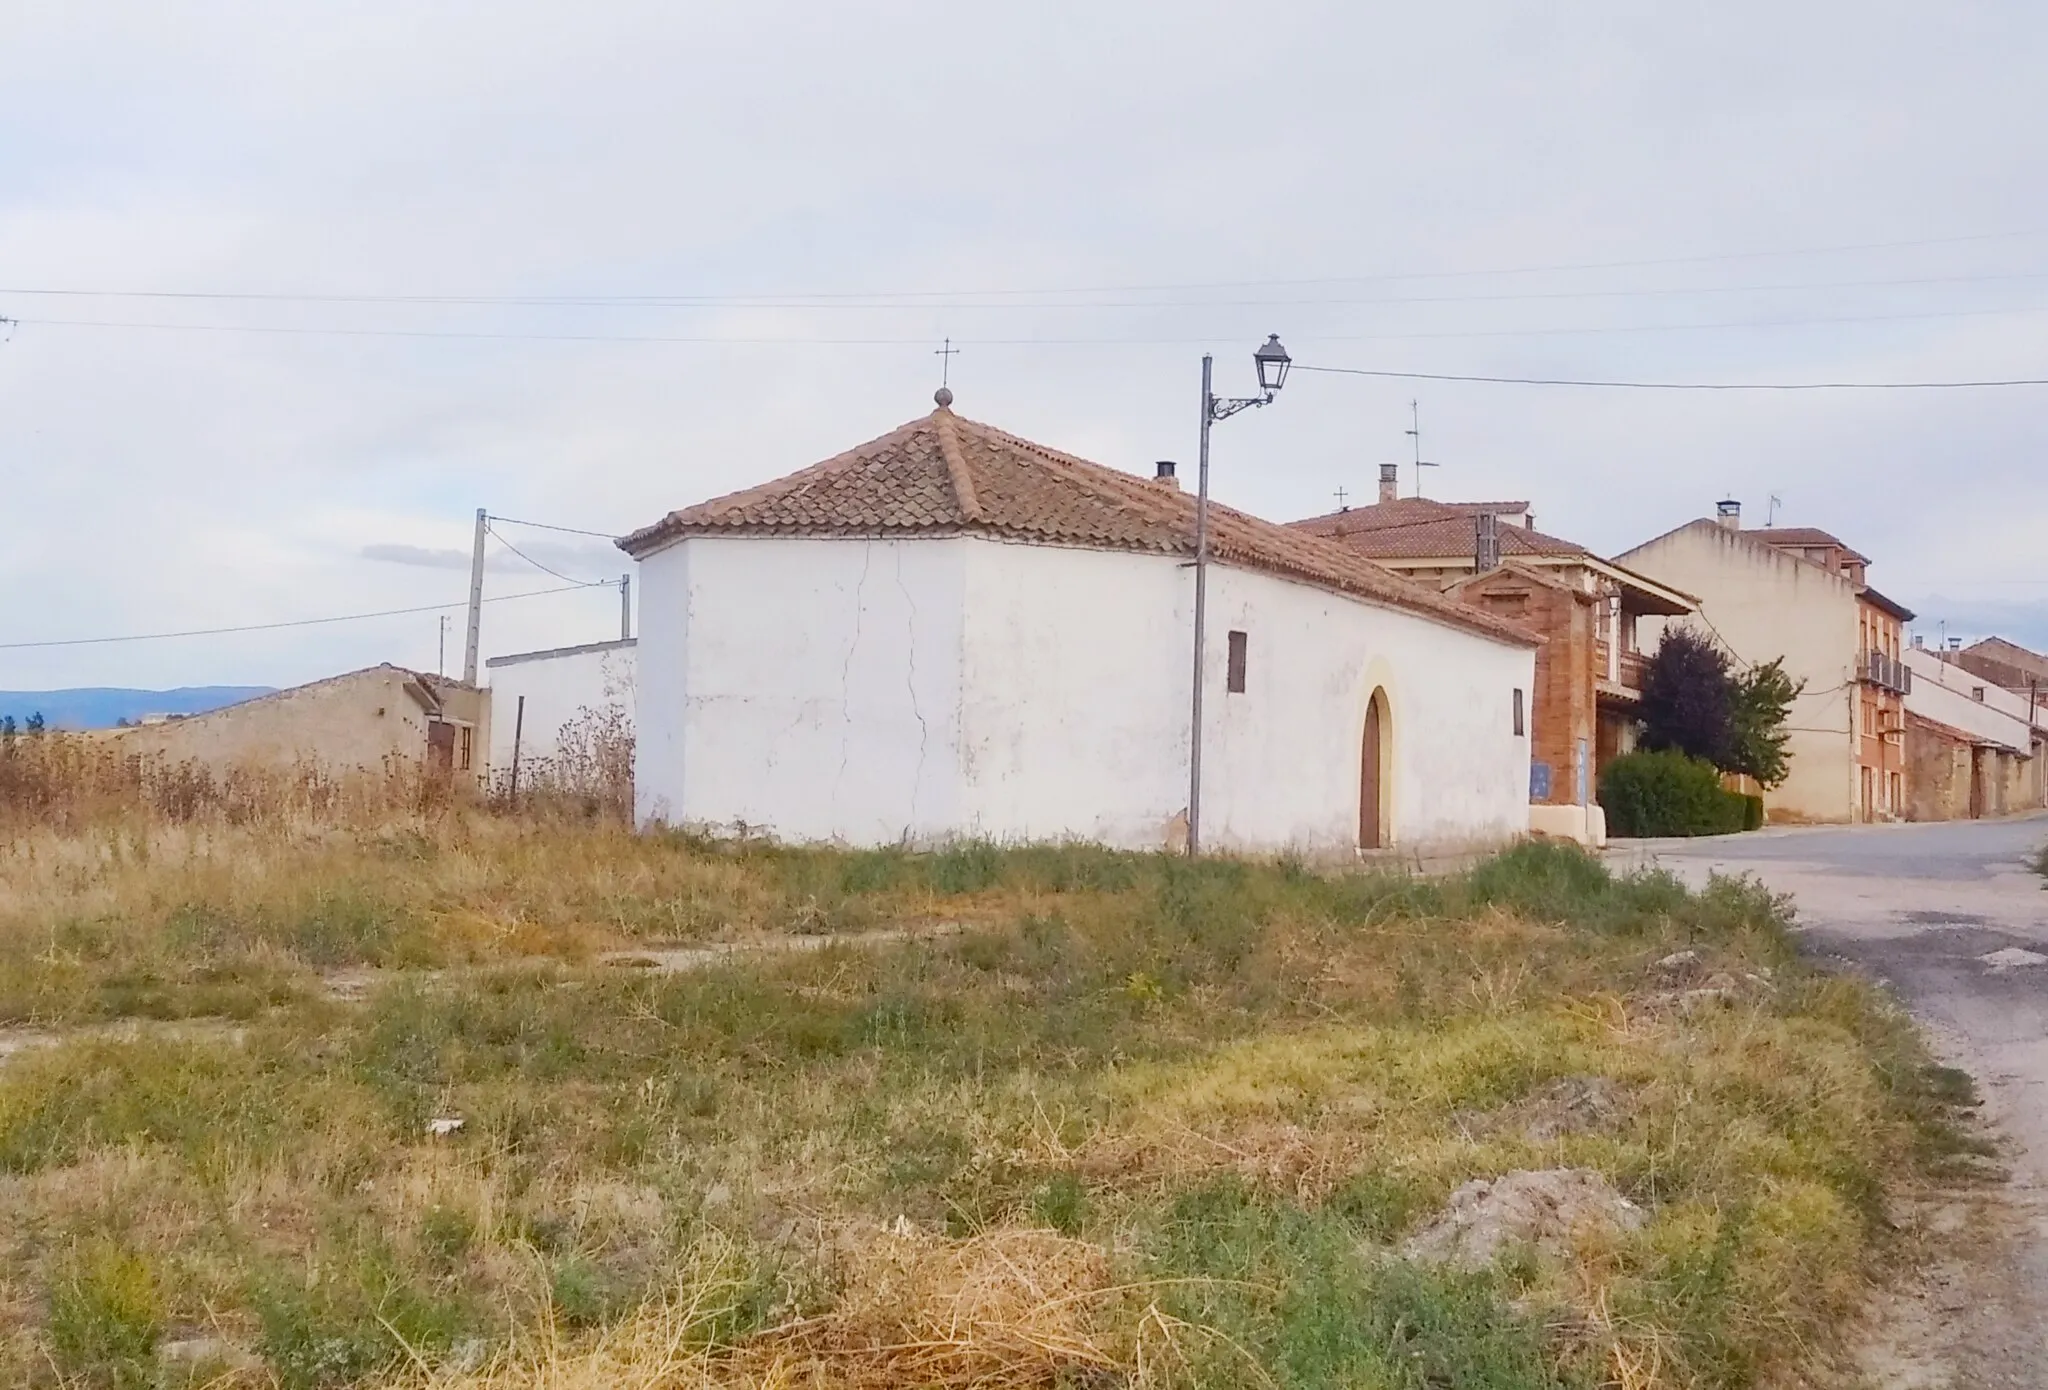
(1542, 1209)
(443, 1127)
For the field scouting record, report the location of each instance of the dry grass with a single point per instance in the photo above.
(1007, 1310)
(1139, 1123)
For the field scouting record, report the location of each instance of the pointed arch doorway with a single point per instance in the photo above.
(1374, 773)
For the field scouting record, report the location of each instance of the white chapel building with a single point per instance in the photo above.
(950, 632)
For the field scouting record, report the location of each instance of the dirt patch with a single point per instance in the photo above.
(16, 1041)
(1544, 1209)
(1569, 1105)
(671, 960)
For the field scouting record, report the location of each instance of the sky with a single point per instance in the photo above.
(297, 290)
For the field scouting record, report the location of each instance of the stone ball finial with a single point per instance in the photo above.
(944, 396)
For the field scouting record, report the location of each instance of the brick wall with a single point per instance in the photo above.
(1561, 708)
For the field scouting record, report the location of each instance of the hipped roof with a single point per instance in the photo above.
(943, 474)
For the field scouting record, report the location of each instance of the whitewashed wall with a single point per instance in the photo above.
(877, 691)
(1947, 694)
(1108, 633)
(558, 686)
(806, 687)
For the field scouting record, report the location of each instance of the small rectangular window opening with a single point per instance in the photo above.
(1521, 725)
(1235, 680)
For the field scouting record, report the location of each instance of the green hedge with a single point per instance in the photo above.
(1655, 794)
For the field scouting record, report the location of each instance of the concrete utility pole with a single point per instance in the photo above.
(476, 600)
(625, 607)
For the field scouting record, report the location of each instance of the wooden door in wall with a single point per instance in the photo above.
(1372, 777)
(440, 749)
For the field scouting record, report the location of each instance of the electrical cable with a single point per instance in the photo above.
(550, 526)
(545, 569)
(873, 303)
(1682, 385)
(1083, 289)
(296, 622)
(787, 340)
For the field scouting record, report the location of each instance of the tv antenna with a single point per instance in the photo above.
(1415, 433)
(1771, 512)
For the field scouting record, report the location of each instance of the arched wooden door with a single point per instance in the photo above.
(1372, 775)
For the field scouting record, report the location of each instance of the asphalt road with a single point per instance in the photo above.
(1954, 919)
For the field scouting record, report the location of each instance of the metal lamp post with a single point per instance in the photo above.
(1272, 362)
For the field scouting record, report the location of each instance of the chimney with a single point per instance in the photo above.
(1163, 474)
(1728, 512)
(1390, 481)
(1486, 541)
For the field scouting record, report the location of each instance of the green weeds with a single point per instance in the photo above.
(1238, 1085)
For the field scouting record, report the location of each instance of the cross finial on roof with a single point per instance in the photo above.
(944, 395)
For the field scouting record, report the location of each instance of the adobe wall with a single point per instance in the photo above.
(1938, 773)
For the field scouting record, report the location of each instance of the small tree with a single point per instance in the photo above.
(1757, 737)
(1689, 699)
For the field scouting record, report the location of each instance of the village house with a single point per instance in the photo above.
(952, 632)
(382, 718)
(1588, 610)
(2007, 665)
(1801, 594)
(1973, 748)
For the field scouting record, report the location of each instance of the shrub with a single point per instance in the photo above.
(1650, 794)
(106, 1316)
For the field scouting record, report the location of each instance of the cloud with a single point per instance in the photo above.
(265, 459)
(419, 555)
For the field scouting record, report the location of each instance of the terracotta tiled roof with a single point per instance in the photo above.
(2005, 663)
(1948, 731)
(1890, 605)
(1418, 528)
(1803, 536)
(943, 474)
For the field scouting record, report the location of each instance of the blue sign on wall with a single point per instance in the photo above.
(1539, 781)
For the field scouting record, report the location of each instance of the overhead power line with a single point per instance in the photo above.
(1682, 385)
(1015, 300)
(545, 569)
(550, 526)
(628, 299)
(295, 622)
(799, 340)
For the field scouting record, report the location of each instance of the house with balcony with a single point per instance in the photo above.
(1803, 595)
(1589, 611)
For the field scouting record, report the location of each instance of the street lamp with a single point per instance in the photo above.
(1272, 362)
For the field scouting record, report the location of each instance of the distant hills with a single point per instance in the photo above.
(104, 707)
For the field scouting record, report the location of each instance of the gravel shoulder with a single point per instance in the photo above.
(1955, 920)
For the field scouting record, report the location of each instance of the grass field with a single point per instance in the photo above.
(1096, 1120)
